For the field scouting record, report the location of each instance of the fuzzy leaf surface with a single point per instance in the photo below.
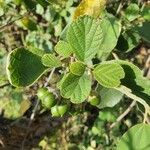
(76, 88)
(109, 74)
(85, 36)
(50, 60)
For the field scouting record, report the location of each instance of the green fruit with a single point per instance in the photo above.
(94, 101)
(77, 68)
(54, 111)
(47, 98)
(59, 110)
(42, 92)
(62, 109)
(48, 101)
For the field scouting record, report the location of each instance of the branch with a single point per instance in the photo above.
(123, 114)
(129, 93)
(11, 22)
(6, 84)
(35, 109)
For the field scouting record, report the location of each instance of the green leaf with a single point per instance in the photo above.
(144, 31)
(134, 80)
(136, 138)
(146, 13)
(24, 67)
(63, 49)
(50, 60)
(77, 68)
(109, 97)
(130, 40)
(43, 3)
(109, 74)
(75, 87)
(30, 4)
(132, 12)
(85, 37)
(111, 30)
(36, 51)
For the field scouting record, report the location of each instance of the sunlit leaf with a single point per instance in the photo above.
(136, 138)
(85, 36)
(77, 88)
(50, 60)
(109, 74)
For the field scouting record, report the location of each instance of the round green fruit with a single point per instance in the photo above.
(54, 111)
(42, 92)
(62, 109)
(48, 101)
(59, 110)
(94, 101)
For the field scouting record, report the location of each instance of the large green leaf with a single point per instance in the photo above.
(144, 31)
(24, 67)
(109, 97)
(134, 80)
(111, 30)
(50, 60)
(85, 36)
(136, 138)
(75, 87)
(146, 12)
(109, 74)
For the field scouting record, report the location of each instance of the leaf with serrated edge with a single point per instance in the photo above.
(63, 49)
(77, 88)
(24, 67)
(109, 74)
(85, 36)
(50, 60)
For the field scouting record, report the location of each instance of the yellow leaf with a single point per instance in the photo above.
(90, 7)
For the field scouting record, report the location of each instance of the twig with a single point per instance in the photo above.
(115, 56)
(1, 143)
(123, 114)
(49, 78)
(119, 7)
(11, 22)
(35, 109)
(6, 84)
(129, 93)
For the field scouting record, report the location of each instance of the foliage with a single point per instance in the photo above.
(76, 42)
